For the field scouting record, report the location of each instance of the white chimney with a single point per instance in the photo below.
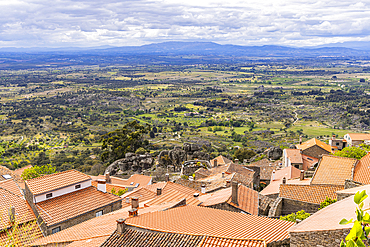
(127, 199)
(273, 175)
(203, 189)
(101, 185)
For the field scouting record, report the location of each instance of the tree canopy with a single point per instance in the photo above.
(121, 141)
(351, 152)
(244, 153)
(37, 171)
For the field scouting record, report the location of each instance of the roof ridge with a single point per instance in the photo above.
(334, 156)
(21, 197)
(57, 173)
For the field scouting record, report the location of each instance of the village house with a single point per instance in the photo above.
(337, 144)
(266, 168)
(116, 183)
(314, 148)
(355, 139)
(295, 157)
(64, 199)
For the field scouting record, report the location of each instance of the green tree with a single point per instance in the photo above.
(37, 171)
(244, 153)
(351, 152)
(327, 202)
(361, 229)
(300, 215)
(121, 141)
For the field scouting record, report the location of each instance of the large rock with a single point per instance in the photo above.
(274, 153)
(132, 162)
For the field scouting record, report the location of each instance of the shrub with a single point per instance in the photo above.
(293, 217)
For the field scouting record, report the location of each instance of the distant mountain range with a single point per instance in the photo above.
(199, 49)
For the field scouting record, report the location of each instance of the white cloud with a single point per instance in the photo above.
(135, 22)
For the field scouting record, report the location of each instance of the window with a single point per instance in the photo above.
(48, 195)
(7, 176)
(78, 186)
(337, 143)
(99, 213)
(55, 230)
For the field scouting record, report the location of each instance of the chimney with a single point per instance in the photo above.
(196, 194)
(121, 226)
(167, 177)
(214, 163)
(228, 183)
(203, 189)
(273, 175)
(301, 176)
(333, 137)
(159, 191)
(300, 140)
(107, 178)
(11, 214)
(223, 174)
(132, 212)
(127, 199)
(237, 161)
(284, 180)
(134, 202)
(101, 185)
(234, 194)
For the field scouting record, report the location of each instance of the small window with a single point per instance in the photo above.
(49, 195)
(7, 176)
(132, 183)
(99, 213)
(337, 143)
(55, 230)
(78, 186)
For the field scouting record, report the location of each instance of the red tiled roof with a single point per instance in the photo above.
(274, 187)
(312, 142)
(362, 170)
(289, 172)
(309, 193)
(21, 235)
(334, 170)
(221, 160)
(308, 161)
(213, 222)
(23, 212)
(173, 196)
(143, 194)
(142, 180)
(101, 226)
(70, 205)
(294, 155)
(170, 186)
(55, 181)
(359, 136)
(214, 198)
(153, 187)
(21, 170)
(91, 242)
(12, 186)
(6, 171)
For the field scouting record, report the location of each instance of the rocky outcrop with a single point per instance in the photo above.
(274, 153)
(178, 155)
(132, 162)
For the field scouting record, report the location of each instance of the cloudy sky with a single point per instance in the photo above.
(63, 23)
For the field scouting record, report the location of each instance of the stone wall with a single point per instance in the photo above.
(227, 207)
(293, 206)
(282, 243)
(330, 238)
(29, 199)
(276, 208)
(191, 184)
(315, 151)
(348, 184)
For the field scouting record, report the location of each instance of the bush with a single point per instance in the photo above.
(351, 152)
(327, 202)
(293, 217)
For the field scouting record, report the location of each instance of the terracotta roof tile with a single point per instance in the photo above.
(214, 198)
(213, 222)
(359, 136)
(153, 187)
(221, 160)
(143, 194)
(334, 170)
(362, 170)
(22, 235)
(91, 242)
(274, 187)
(133, 237)
(55, 181)
(312, 142)
(229, 242)
(309, 193)
(70, 205)
(11, 186)
(247, 200)
(6, 171)
(101, 226)
(171, 196)
(109, 187)
(23, 212)
(170, 186)
(21, 170)
(294, 155)
(289, 172)
(135, 179)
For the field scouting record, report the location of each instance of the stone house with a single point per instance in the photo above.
(337, 144)
(295, 157)
(314, 148)
(266, 168)
(64, 199)
(134, 182)
(355, 139)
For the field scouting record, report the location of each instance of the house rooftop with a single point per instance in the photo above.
(136, 180)
(362, 170)
(266, 167)
(289, 172)
(213, 222)
(334, 170)
(68, 206)
(309, 193)
(329, 217)
(274, 187)
(55, 181)
(312, 142)
(294, 155)
(359, 136)
(221, 160)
